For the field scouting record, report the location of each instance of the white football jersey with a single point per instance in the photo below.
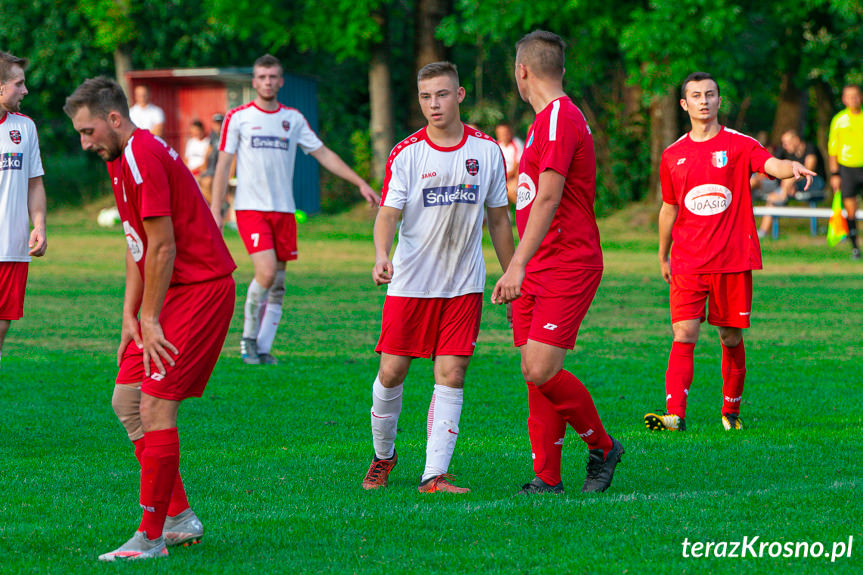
(442, 193)
(19, 161)
(266, 147)
(146, 117)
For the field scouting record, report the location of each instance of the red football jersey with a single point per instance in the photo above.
(150, 180)
(560, 140)
(709, 181)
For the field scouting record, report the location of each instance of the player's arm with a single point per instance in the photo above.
(37, 207)
(667, 217)
(500, 232)
(221, 176)
(385, 232)
(548, 195)
(158, 269)
(332, 162)
(787, 169)
(131, 305)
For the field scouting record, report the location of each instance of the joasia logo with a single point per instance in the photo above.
(448, 195)
(708, 199)
(11, 161)
(526, 191)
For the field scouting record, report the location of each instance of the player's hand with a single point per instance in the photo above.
(156, 347)
(130, 332)
(800, 171)
(508, 287)
(665, 269)
(836, 183)
(369, 195)
(382, 273)
(38, 242)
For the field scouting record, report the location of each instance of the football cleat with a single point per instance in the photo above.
(379, 472)
(668, 422)
(731, 421)
(855, 254)
(537, 485)
(184, 529)
(267, 359)
(249, 351)
(441, 484)
(138, 547)
(600, 468)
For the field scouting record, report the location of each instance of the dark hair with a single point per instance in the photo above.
(543, 52)
(268, 61)
(100, 95)
(7, 62)
(436, 69)
(697, 77)
(198, 124)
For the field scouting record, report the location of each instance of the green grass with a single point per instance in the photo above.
(273, 457)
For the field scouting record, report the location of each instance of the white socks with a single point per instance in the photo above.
(443, 417)
(386, 407)
(269, 325)
(255, 298)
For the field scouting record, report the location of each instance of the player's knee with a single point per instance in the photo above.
(452, 378)
(731, 337)
(391, 376)
(685, 334)
(537, 373)
(265, 278)
(277, 289)
(126, 402)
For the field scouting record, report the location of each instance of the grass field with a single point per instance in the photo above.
(273, 456)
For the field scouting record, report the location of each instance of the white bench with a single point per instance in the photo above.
(814, 214)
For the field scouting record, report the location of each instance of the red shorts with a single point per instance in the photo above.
(269, 230)
(13, 278)
(729, 298)
(552, 306)
(429, 327)
(195, 319)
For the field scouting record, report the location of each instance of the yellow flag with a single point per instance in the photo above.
(837, 228)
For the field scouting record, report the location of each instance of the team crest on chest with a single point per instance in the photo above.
(719, 159)
(15, 136)
(286, 125)
(472, 166)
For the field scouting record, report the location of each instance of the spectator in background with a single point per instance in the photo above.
(206, 178)
(845, 147)
(761, 185)
(197, 150)
(511, 148)
(796, 149)
(145, 114)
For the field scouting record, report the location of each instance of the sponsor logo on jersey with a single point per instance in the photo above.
(270, 142)
(472, 166)
(708, 199)
(448, 195)
(15, 136)
(286, 125)
(719, 159)
(11, 161)
(136, 246)
(429, 175)
(526, 191)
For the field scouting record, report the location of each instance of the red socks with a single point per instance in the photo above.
(179, 501)
(678, 378)
(546, 429)
(571, 400)
(733, 377)
(160, 464)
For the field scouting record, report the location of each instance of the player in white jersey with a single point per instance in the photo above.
(264, 136)
(438, 181)
(22, 194)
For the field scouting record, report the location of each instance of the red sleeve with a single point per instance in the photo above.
(665, 179)
(155, 190)
(758, 156)
(557, 153)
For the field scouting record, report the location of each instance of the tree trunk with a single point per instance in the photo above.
(427, 48)
(381, 122)
(663, 133)
(122, 64)
(789, 109)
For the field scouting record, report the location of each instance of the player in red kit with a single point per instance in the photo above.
(556, 268)
(707, 215)
(177, 307)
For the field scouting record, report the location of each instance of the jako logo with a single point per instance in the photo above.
(732, 399)
(526, 191)
(448, 195)
(11, 161)
(587, 433)
(708, 199)
(429, 175)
